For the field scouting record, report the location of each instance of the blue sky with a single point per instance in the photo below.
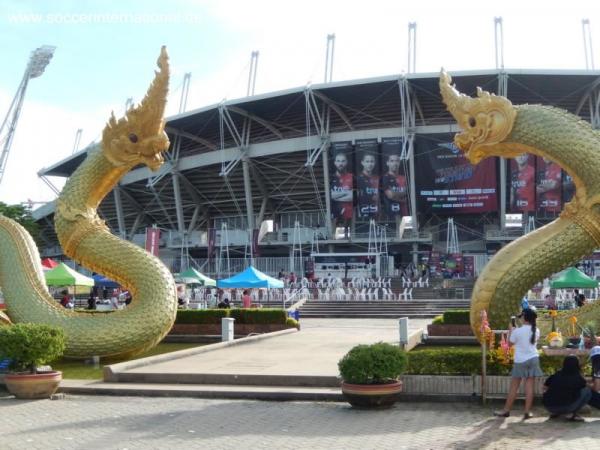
(106, 52)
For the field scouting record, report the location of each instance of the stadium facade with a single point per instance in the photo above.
(358, 166)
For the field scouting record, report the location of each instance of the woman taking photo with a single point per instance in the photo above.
(527, 362)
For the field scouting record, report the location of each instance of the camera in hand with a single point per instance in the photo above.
(513, 321)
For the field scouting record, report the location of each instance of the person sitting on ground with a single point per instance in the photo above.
(224, 303)
(66, 300)
(128, 298)
(91, 301)
(566, 391)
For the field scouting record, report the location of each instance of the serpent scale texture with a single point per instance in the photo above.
(86, 239)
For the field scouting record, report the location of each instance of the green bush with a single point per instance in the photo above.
(457, 317)
(467, 361)
(372, 364)
(201, 316)
(438, 320)
(29, 345)
(259, 315)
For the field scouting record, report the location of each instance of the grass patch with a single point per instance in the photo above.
(79, 370)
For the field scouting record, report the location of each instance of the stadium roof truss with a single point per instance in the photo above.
(265, 155)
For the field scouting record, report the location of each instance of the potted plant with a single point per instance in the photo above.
(370, 375)
(29, 346)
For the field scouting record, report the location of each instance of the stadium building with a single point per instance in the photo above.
(357, 174)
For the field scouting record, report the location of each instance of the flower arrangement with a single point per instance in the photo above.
(554, 339)
(573, 322)
(486, 331)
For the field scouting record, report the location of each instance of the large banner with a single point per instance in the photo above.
(367, 177)
(447, 183)
(522, 184)
(549, 187)
(394, 183)
(255, 247)
(152, 240)
(469, 263)
(568, 187)
(341, 181)
(212, 242)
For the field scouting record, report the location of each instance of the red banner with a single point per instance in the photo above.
(212, 242)
(255, 249)
(152, 240)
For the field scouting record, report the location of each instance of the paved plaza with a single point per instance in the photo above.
(82, 422)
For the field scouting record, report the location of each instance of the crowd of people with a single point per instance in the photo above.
(566, 392)
(579, 300)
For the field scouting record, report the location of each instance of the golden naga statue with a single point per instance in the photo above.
(138, 138)
(492, 126)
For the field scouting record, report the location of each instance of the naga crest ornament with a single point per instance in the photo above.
(486, 120)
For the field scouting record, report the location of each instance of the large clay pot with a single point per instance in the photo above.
(372, 395)
(33, 386)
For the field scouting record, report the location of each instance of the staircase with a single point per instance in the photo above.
(416, 309)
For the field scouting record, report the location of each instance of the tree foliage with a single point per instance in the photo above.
(22, 215)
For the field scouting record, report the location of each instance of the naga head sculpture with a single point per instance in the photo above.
(139, 137)
(486, 120)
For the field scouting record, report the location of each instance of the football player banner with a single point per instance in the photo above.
(548, 187)
(367, 177)
(522, 183)
(341, 181)
(394, 186)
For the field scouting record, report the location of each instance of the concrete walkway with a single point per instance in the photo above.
(305, 358)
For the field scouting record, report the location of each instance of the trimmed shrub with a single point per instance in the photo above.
(201, 316)
(372, 364)
(457, 317)
(467, 361)
(29, 345)
(258, 315)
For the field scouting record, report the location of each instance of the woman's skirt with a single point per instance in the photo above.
(527, 369)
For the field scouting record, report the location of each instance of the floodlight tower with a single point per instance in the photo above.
(38, 61)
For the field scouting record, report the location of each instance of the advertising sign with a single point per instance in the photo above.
(522, 184)
(152, 240)
(341, 181)
(394, 183)
(367, 177)
(469, 263)
(548, 187)
(447, 183)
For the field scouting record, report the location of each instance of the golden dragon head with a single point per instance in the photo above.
(139, 137)
(486, 120)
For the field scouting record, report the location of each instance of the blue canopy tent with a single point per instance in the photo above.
(250, 278)
(102, 281)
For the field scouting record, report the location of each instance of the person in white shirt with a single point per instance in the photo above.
(527, 362)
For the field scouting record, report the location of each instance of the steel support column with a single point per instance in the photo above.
(327, 187)
(178, 204)
(248, 194)
(119, 209)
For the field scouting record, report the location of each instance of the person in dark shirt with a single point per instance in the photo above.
(566, 391)
(579, 298)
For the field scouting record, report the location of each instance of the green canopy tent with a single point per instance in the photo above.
(63, 275)
(573, 278)
(202, 279)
